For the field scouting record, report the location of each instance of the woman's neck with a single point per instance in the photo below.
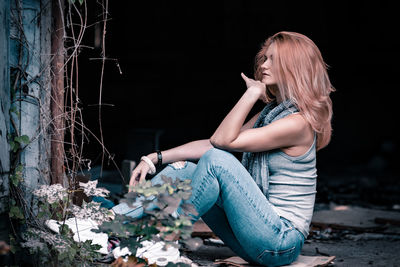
(275, 92)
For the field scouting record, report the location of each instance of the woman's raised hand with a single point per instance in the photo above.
(138, 174)
(256, 87)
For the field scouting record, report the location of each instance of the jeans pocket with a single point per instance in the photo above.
(277, 257)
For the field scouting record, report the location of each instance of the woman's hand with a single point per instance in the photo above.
(256, 88)
(138, 174)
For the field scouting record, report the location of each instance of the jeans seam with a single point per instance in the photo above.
(276, 252)
(249, 200)
(199, 192)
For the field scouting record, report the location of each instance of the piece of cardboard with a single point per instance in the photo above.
(301, 261)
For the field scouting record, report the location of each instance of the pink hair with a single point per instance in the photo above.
(302, 77)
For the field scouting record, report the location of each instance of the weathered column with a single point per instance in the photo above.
(29, 60)
(57, 93)
(4, 103)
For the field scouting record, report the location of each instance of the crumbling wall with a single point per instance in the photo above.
(25, 36)
(30, 35)
(4, 104)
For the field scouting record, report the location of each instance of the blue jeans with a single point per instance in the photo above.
(233, 206)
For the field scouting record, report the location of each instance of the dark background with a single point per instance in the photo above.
(181, 65)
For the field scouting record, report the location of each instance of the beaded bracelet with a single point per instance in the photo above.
(150, 163)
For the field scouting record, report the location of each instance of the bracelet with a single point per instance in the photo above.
(159, 157)
(150, 163)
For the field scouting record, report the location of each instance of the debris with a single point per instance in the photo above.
(214, 242)
(392, 221)
(372, 236)
(321, 253)
(235, 261)
(201, 229)
(82, 231)
(354, 218)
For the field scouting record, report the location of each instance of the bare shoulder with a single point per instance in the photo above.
(297, 121)
(303, 134)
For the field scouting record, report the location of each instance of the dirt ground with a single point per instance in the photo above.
(383, 253)
(351, 247)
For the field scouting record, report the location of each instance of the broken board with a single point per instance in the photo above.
(201, 229)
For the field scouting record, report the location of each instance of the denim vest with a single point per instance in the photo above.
(289, 183)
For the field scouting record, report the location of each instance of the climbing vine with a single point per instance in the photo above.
(33, 209)
(26, 212)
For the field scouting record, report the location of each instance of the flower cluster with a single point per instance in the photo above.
(90, 189)
(91, 210)
(51, 193)
(34, 239)
(33, 244)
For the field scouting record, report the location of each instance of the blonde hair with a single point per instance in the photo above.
(302, 77)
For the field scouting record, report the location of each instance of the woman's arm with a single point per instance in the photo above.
(189, 151)
(232, 125)
(289, 132)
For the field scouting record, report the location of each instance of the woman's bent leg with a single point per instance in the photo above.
(216, 219)
(265, 237)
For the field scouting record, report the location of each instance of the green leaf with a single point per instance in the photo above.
(14, 180)
(41, 214)
(23, 139)
(81, 2)
(116, 227)
(14, 245)
(14, 110)
(14, 146)
(15, 212)
(64, 229)
(19, 168)
(149, 231)
(62, 256)
(71, 253)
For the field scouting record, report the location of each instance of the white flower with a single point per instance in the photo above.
(90, 189)
(52, 193)
(55, 241)
(33, 244)
(91, 210)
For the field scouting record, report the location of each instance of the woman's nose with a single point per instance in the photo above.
(265, 65)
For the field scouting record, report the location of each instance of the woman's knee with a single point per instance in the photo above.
(178, 170)
(216, 155)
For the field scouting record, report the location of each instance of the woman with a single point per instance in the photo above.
(261, 208)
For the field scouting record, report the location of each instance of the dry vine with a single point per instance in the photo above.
(66, 129)
(74, 132)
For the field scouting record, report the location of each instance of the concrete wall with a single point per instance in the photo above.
(4, 103)
(31, 52)
(32, 102)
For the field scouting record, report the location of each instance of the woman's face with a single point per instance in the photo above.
(267, 75)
